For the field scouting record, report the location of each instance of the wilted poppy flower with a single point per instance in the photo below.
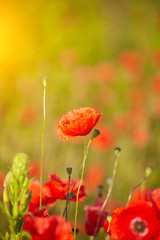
(92, 226)
(56, 189)
(78, 122)
(41, 226)
(155, 198)
(137, 221)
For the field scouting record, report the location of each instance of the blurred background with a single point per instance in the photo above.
(101, 54)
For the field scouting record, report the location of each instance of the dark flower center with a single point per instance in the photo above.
(139, 226)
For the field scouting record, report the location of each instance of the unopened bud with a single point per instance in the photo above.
(95, 133)
(45, 81)
(100, 190)
(117, 151)
(69, 171)
(77, 231)
(149, 170)
(71, 194)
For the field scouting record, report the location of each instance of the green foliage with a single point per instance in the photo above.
(16, 197)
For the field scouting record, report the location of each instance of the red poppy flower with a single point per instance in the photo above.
(137, 221)
(78, 122)
(106, 226)
(155, 198)
(35, 200)
(92, 215)
(41, 226)
(56, 189)
(142, 194)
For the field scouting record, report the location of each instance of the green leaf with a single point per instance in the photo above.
(19, 224)
(2, 236)
(2, 207)
(29, 197)
(10, 207)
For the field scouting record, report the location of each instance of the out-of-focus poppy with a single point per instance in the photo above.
(68, 58)
(140, 137)
(155, 198)
(142, 194)
(157, 58)
(92, 225)
(104, 71)
(131, 60)
(84, 74)
(78, 122)
(98, 171)
(156, 83)
(105, 141)
(28, 115)
(41, 226)
(34, 169)
(56, 189)
(2, 177)
(121, 122)
(137, 221)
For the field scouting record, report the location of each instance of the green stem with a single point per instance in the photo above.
(83, 166)
(108, 194)
(66, 207)
(42, 154)
(67, 201)
(141, 181)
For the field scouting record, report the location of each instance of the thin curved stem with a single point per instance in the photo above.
(42, 154)
(86, 148)
(108, 194)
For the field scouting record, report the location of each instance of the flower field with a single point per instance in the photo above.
(80, 120)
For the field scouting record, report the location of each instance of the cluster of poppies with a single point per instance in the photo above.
(139, 220)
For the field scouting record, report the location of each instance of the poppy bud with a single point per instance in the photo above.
(77, 231)
(149, 170)
(69, 171)
(71, 195)
(95, 133)
(117, 151)
(100, 190)
(45, 81)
